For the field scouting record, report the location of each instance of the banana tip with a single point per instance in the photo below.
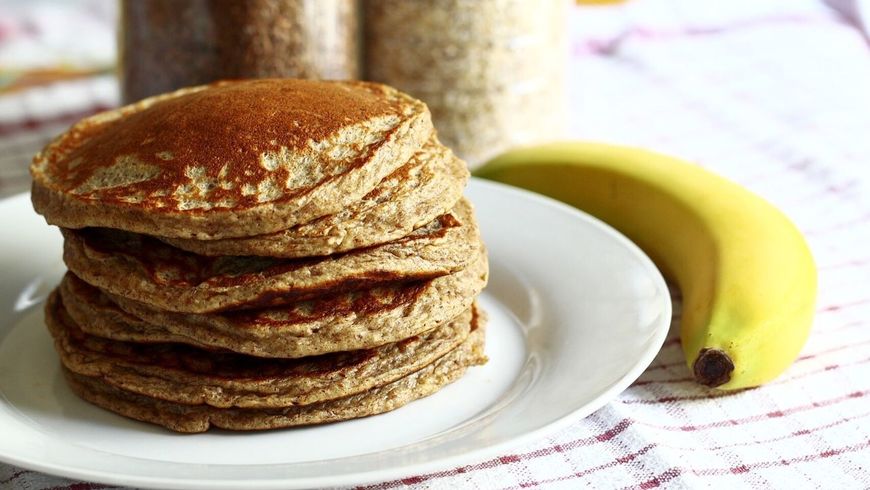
(713, 368)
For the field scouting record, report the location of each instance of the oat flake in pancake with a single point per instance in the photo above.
(230, 159)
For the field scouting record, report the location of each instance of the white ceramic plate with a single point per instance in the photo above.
(576, 312)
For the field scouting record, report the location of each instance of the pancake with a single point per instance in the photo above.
(198, 418)
(149, 271)
(188, 375)
(426, 187)
(230, 159)
(342, 322)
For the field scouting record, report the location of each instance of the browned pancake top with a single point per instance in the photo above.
(230, 145)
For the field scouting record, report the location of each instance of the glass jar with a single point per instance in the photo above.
(168, 44)
(491, 71)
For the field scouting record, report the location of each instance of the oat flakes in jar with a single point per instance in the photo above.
(491, 71)
(168, 44)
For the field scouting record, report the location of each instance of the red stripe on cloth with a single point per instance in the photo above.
(613, 432)
(14, 476)
(842, 306)
(686, 379)
(823, 369)
(30, 124)
(80, 486)
(605, 46)
(829, 367)
(657, 481)
(778, 462)
(761, 416)
(833, 349)
(791, 435)
(611, 464)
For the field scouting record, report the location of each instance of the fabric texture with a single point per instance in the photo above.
(775, 96)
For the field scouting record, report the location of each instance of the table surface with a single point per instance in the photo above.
(775, 97)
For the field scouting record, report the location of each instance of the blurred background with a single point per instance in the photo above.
(695, 78)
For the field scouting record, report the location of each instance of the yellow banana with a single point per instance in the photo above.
(746, 273)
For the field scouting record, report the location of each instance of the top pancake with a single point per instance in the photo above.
(426, 187)
(230, 159)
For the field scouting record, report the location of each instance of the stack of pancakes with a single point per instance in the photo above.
(261, 254)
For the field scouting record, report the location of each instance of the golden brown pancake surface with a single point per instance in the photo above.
(228, 159)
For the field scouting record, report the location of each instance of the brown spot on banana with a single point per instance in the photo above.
(713, 368)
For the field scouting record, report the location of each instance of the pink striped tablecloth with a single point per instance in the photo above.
(778, 100)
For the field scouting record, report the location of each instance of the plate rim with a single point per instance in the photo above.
(397, 472)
